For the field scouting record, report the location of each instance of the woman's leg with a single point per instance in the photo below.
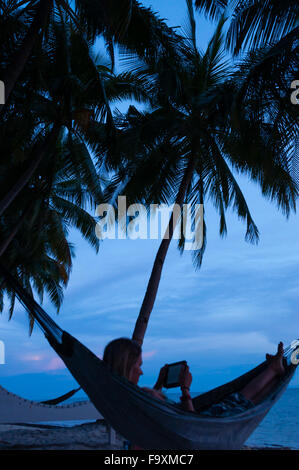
(261, 385)
(265, 391)
(258, 387)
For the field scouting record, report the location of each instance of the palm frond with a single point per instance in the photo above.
(258, 22)
(213, 9)
(78, 217)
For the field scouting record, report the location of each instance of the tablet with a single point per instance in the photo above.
(173, 374)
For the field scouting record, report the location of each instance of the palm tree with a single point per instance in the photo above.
(188, 146)
(51, 108)
(257, 23)
(37, 247)
(265, 34)
(22, 53)
(65, 94)
(253, 23)
(126, 22)
(69, 104)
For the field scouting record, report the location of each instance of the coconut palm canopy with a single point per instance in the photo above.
(61, 92)
(206, 122)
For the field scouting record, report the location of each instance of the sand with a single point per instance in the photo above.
(87, 436)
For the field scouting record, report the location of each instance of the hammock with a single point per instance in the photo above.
(61, 398)
(15, 409)
(144, 420)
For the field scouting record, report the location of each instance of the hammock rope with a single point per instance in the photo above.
(62, 398)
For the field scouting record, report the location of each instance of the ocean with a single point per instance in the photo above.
(280, 428)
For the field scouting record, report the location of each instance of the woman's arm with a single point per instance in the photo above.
(186, 400)
(155, 393)
(185, 382)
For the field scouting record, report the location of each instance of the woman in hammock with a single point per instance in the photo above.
(124, 356)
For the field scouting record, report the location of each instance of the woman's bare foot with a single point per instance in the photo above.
(275, 362)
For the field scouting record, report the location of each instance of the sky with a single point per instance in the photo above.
(221, 319)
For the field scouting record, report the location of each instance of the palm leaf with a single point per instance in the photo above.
(211, 8)
(257, 22)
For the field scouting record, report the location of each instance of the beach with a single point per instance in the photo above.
(87, 436)
(278, 431)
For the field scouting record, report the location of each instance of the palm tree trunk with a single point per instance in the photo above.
(37, 155)
(20, 58)
(154, 280)
(4, 245)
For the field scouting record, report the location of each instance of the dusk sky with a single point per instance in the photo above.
(222, 318)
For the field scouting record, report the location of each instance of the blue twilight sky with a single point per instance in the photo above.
(222, 319)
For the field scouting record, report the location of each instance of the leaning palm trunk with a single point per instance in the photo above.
(153, 284)
(4, 245)
(38, 154)
(14, 70)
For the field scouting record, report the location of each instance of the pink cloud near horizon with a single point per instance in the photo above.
(149, 354)
(45, 363)
(55, 364)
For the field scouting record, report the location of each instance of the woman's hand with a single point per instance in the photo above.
(161, 379)
(185, 378)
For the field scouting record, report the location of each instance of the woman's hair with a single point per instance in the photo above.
(121, 354)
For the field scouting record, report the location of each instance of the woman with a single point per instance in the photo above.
(124, 356)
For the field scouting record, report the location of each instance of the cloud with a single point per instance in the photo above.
(54, 364)
(149, 354)
(31, 357)
(244, 343)
(42, 362)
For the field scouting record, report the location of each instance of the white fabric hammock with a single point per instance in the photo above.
(15, 409)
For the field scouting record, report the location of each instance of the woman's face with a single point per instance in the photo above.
(136, 371)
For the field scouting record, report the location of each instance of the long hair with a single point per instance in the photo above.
(121, 354)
